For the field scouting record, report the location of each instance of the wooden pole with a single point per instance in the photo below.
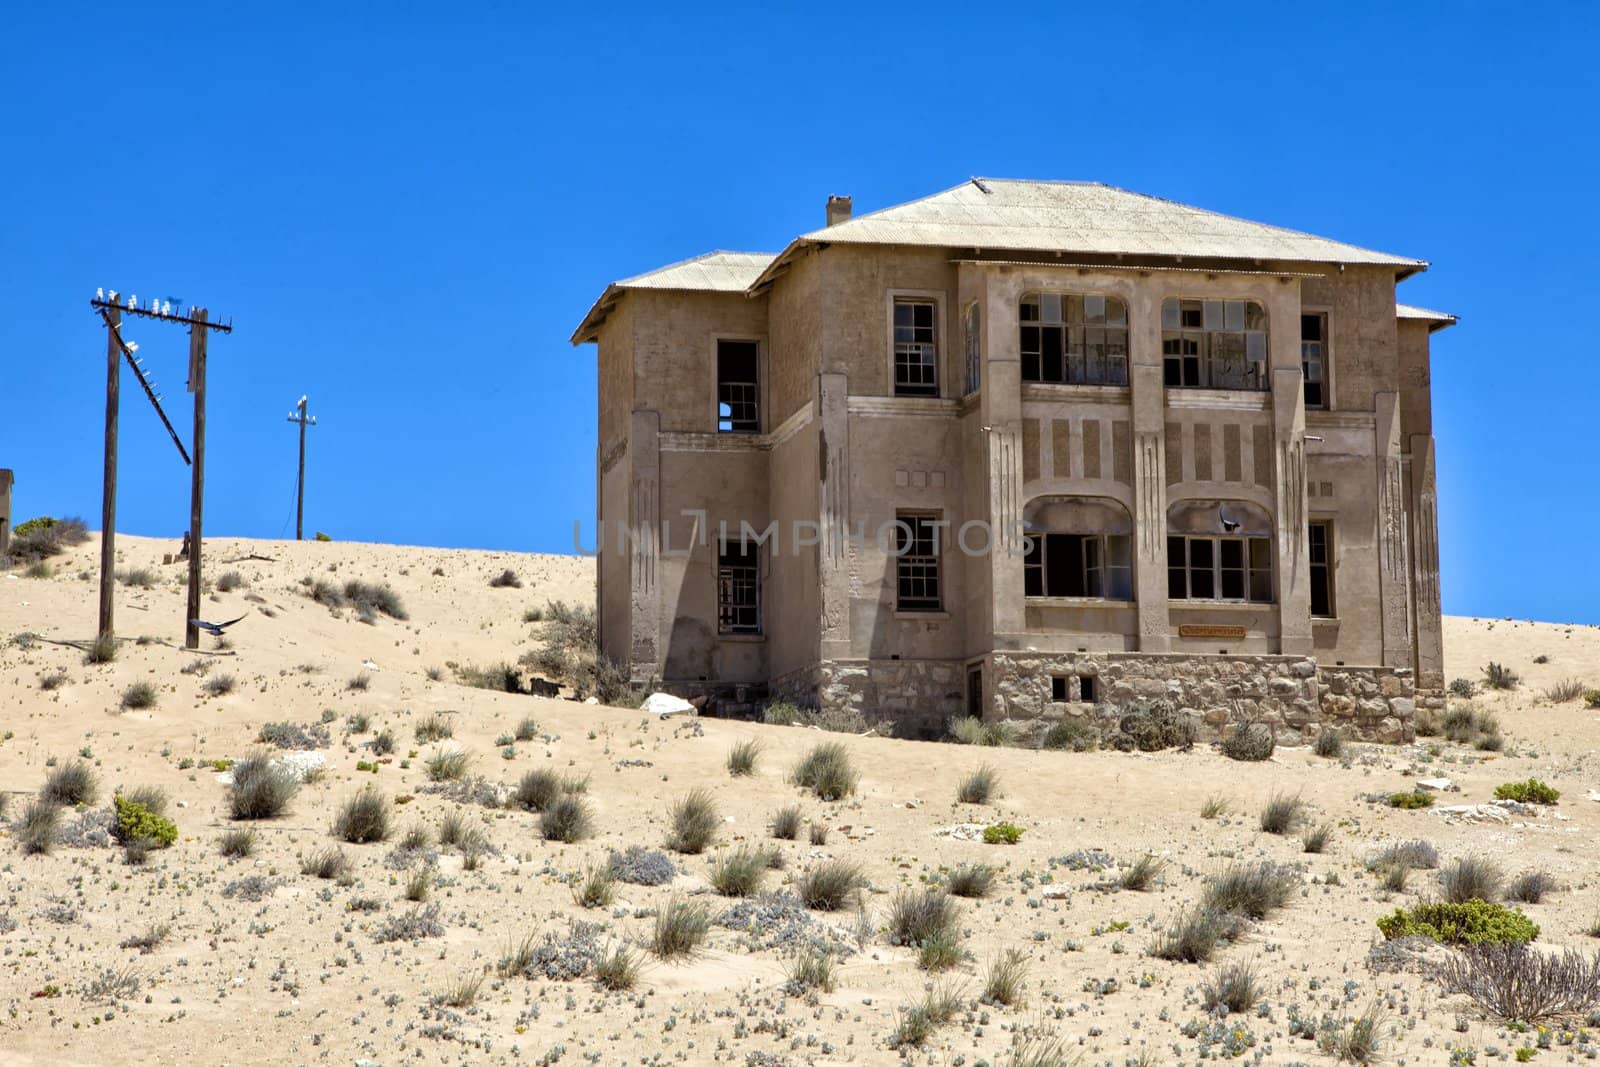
(197, 473)
(300, 480)
(108, 497)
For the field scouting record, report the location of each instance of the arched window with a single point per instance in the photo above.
(1075, 339)
(1219, 550)
(1078, 547)
(1214, 344)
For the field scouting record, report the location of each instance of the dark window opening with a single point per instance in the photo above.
(1058, 688)
(1320, 544)
(738, 588)
(916, 363)
(916, 546)
(1219, 568)
(1082, 565)
(1088, 690)
(1074, 340)
(1214, 344)
(975, 692)
(972, 342)
(1314, 358)
(738, 387)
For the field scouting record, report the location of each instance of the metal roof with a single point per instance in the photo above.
(1437, 320)
(714, 272)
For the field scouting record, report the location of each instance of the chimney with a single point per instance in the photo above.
(838, 210)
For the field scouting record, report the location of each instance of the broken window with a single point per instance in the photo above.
(1320, 544)
(969, 331)
(1080, 565)
(1058, 688)
(1219, 568)
(738, 387)
(916, 364)
(1074, 339)
(1314, 358)
(1213, 344)
(916, 548)
(738, 588)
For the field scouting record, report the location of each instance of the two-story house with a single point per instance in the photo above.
(1019, 449)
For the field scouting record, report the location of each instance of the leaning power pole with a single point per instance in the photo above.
(299, 415)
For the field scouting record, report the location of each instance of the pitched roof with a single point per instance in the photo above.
(714, 272)
(1436, 320)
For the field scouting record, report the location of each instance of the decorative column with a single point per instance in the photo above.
(1291, 516)
(833, 506)
(1001, 449)
(644, 545)
(1429, 625)
(1149, 468)
(1393, 554)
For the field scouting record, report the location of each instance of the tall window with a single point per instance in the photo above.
(738, 588)
(1214, 344)
(916, 362)
(916, 546)
(1074, 339)
(738, 387)
(1219, 568)
(1314, 358)
(1320, 544)
(1088, 565)
(970, 340)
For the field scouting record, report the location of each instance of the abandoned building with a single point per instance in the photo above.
(6, 480)
(1025, 449)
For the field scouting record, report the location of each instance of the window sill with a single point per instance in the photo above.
(753, 639)
(1225, 605)
(1324, 620)
(1077, 602)
(922, 616)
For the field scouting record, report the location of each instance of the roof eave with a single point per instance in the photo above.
(589, 328)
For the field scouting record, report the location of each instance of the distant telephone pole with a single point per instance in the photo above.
(299, 415)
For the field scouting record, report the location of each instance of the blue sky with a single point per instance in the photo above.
(407, 215)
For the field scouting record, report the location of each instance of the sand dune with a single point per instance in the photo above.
(301, 975)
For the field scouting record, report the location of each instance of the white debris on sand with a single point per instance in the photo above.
(292, 764)
(962, 831)
(1438, 785)
(665, 704)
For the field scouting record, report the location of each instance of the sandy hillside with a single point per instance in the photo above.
(311, 971)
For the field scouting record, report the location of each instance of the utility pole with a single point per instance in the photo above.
(299, 415)
(108, 496)
(197, 471)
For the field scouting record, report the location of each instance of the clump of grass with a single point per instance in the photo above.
(38, 827)
(70, 784)
(971, 730)
(742, 758)
(1418, 854)
(148, 941)
(940, 951)
(828, 885)
(679, 929)
(1565, 690)
(567, 820)
(150, 797)
(1355, 1040)
(810, 971)
(53, 681)
(102, 650)
(237, 842)
(939, 1005)
(694, 820)
(1471, 878)
(537, 790)
(383, 742)
(1234, 986)
(1249, 741)
(1394, 877)
(461, 993)
(617, 969)
(1329, 744)
(1282, 814)
(1150, 725)
(596, 887)
(229, 581)
(1141, 875)
(359, 683)
(1462, 687)
(219, 686)
(363, 818)
(434, 728)
(979, 787)
(419, 885)
(915, 916)
(1530, 887)
(1254, 890)
(1499, 676)
(331, 863)
(506, 579)
(447, 766)
(1316, 838)
(1007, 974)
(971, 880)
(1215, 806)
(1071, 734)
(527, 729)
(1532, 791)
(1193, 936)
(259, 790)
(371, 598)
(827, 771)
(739, 873)
(359, 722)
(139, 696)
(786, 823)
(819, 833)
(138, 577)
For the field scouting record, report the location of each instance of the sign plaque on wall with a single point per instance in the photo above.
(1232, 633)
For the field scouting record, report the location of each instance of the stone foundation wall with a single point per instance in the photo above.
(918, 696)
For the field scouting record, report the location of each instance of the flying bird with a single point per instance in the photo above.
(215, 628)
(1228, 525)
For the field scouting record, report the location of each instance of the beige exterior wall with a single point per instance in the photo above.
(839, 452)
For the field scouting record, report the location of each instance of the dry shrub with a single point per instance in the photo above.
(1515, 983)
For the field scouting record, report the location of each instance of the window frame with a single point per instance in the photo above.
(972, 345)
(1081, 329)
(1036, 566)
(1326, 360)
(1207, 341)
(727, 575)
(1326, 566)
(935, 298)
(1247, 569)
(909, 523)
(760, 343)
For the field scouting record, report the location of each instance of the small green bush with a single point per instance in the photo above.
(1498, 676)
(1072, 734)
(1329, 744)
(742, 758)
(827, 771)
(1474, 922)
(694, 819)
(1591, 699)
(138, 696)
(1249, 742)
(786, 823)
(979, 787)
(136, 822)
(1002, 833)
(1411, 800)
(1532, 791)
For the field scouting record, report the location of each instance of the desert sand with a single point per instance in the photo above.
(300, 976)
